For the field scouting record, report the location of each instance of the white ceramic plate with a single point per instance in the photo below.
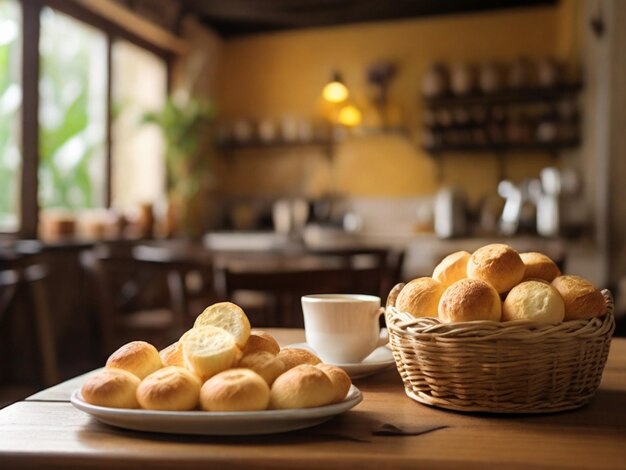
(379, 360)
(214, 423)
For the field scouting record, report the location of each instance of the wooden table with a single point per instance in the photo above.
(46, 431)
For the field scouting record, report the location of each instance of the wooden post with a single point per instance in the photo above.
(31, 10)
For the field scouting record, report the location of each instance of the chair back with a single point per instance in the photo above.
(24, 303)
(9, 280)
(283, 288)
(284, 280)
(189, 270)
(375, 270)
(132, 298)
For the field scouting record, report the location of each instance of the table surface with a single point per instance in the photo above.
(45, 430)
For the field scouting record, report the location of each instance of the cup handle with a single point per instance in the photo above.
(383, 337)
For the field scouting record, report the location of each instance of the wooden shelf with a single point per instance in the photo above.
(526, 100)
(551, 147)
(327, 145)
(252, 145)
(526, 95)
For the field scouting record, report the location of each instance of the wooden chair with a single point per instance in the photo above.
(283, 288)
(23, 289)
(375, 270)
(189, 269)
(9, 280)
(284, 279)
(117, 283)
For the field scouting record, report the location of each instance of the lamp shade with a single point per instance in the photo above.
(335, 91)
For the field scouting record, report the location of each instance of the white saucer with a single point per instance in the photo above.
(380, 359)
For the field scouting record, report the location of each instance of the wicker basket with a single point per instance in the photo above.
(514, 367)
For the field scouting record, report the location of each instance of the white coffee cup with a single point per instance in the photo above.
(343, 328)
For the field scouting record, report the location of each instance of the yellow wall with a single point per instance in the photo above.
(274, 75)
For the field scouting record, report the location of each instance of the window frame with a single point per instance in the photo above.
(29, 120)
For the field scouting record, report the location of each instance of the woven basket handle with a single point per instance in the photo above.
(393, 294)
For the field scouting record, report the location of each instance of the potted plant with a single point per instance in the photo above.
(184, 123)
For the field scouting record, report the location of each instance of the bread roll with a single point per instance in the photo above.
(229, 317)
(340, 380)
(172, 355)
(469, 300)
(138, 357)
(535, 301)
(264, 363)
(293, 357)
(170, 389)
(452, 268)
(539, 266)
(420, 297)
(208, 350)
(582, 300)
(261, 341)
(304, 386)
(235, 390)
(498, 264)
(115, 388)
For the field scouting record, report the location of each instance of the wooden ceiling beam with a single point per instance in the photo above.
(238, 17)
(136, 25)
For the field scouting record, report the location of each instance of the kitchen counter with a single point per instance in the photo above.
(425, 250)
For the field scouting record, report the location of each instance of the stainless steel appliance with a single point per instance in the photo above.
(450, 213)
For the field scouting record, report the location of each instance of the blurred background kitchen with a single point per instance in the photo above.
(160, 155)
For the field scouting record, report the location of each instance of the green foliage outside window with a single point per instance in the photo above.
(10, 101)
(72, 113)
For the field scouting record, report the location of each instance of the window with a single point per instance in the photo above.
(72, 113)
(71, 135)
(10, 104)
(139, 84)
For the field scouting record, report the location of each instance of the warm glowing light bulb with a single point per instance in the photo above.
(335, 92)
(350, 116)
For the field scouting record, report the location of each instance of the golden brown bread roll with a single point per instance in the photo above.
(228, 316)
(172, 355)
(340, 380)
(420, 297)
(261, 341)
(138, 357)
(498, 264)
(264, 363)
(469, 300)
(304, 386)
(171, 389)
(582, 299)
(539, 266)
(293, 357)
(235, 390)
(534, 301)
(452, 268)
(208, 350)
(115, 388)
